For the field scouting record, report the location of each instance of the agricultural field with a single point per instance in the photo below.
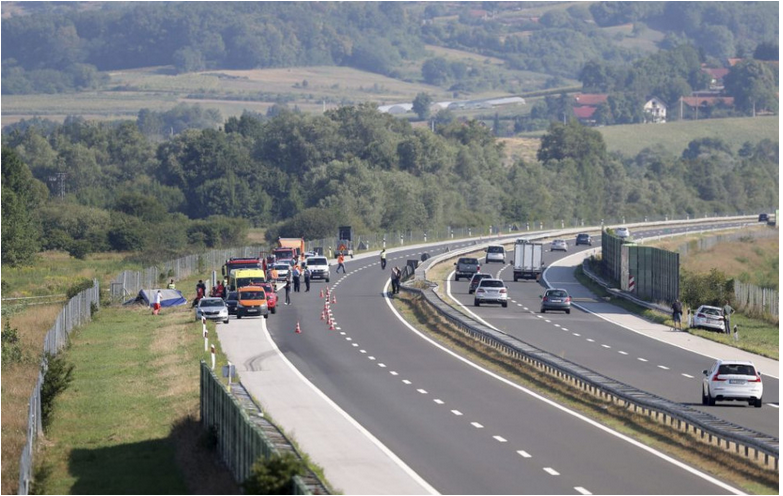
(630, 139)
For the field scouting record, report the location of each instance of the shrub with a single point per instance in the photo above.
(57, 378)
(78, 287)
(274, 475)
(12, 349)
(706, 289)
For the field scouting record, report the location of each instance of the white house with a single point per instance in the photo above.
(655, 111)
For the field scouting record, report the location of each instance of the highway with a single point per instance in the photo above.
(635, 359)
(460, 428)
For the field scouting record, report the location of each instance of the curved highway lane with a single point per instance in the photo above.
(635, 359)
(462, 429)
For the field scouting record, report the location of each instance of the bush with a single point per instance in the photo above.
(274, 475)
(12, 349)
(78, 287)
(706, 289)
(57, 378)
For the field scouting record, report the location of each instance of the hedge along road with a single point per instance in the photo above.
(460, 428)
(611, 341)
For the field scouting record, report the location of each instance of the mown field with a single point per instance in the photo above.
(630, 139)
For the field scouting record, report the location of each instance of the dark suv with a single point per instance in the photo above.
(466, 267)
(584, 239)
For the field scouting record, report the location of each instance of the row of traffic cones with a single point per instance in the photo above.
(326, 313)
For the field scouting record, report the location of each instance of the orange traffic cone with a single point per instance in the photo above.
(321, 295)
(327, 290)
(331, 326)
(298, 330)
(334, 299)
(323, 315)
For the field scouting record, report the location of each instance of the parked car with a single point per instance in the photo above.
(252, 302)
(622, 232)
(584, 239)
(475, 280)
(282, 269)
(491, 291)
(763, 217)
(496, 253)
(466, 267)
(271, 296)
(231, 302)
(709, 318)
(319, 267)
(213, 309)
(556, 299)
(732, 380)
(559, 245)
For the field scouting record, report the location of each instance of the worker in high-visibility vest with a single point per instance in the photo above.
(341, 262)
(383, 259)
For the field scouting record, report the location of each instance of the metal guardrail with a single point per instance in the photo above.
(752, 445)
(240, 438)
(76, 312)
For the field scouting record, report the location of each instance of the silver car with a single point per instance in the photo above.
(496, 253)
(491, 291)
(559, 245)
(556, 299)
(212, 309)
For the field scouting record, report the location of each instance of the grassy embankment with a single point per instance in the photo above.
(129, 421)
(53, 274)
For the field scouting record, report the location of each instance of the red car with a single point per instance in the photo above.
(271, 296)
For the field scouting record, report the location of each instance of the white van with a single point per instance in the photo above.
(319, 268)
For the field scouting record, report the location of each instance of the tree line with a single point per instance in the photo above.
(304, 175)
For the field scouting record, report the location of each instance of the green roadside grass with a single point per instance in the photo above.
(128, 423)
(755, 336)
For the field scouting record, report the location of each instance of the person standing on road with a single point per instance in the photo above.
(727, 311)
(383, 259)
(307, 279)
(395, 280)
(287, 292)
(296, 277)
(340, 263)
(677, 314)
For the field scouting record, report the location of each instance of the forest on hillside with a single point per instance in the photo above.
(67, 46)
(303, 175)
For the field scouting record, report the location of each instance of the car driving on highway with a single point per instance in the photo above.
(496, 253)
(732, 380)
(559, 245)
(556, 299)
(622, 232)
(231, 302)
(466, 267)
(584, 239)
(212, 309)
(491, 291)
(475, 280)
(709, 318)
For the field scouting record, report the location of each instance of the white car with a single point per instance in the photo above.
(212, 309)
(622, 232)
(559, 245)
(496, 253)
(282, 269)
(710, 318)
(319, 267)
(732, 380)
(491, 291)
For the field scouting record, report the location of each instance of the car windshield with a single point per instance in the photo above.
(557, 294)
(268, 288)
(477, 277)
(736, 369)
(253, 295)
(232, 295)
(316, 261)
(711, 311)
(492, 284)
(583, 236)
(495, 249)
(282, 266)
(214, 302)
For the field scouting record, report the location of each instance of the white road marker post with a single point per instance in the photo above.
(213, 357)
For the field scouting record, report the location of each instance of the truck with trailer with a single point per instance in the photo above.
(528, 260)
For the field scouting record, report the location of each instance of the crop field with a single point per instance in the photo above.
(674, 137)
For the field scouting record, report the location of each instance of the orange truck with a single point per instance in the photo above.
(289, 248)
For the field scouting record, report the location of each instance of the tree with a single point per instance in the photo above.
(21, 196)
(767, 50)
(753, 86)
(436, 71)
(421, 105)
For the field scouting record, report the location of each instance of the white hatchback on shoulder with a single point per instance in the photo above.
(732, 380)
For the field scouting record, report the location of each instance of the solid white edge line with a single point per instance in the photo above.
(568, 411)
(607, 319)
(394, 458)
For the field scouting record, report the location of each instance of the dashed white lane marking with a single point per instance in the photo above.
(393, 372)
(500, 439)
(477, 425)
(551, 471)
(342, 333)
(547, 321)
(519, 305)
(557, 325)
(355, 345)
(525, 308)
(606, 346)
(577, 334)
(582, 490)
(774, 405)
(457, 413)
(362, 351)
(590, 340)
(422, 391)
(406, 381)
(524, 454)
(622, 352)
(348, 339)
(440, 402)
(642, 359)
(664, 367)
(371, 357)
(540, 317)
(565, 329)
(688, 376)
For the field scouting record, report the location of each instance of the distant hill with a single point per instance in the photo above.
(630, 139)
